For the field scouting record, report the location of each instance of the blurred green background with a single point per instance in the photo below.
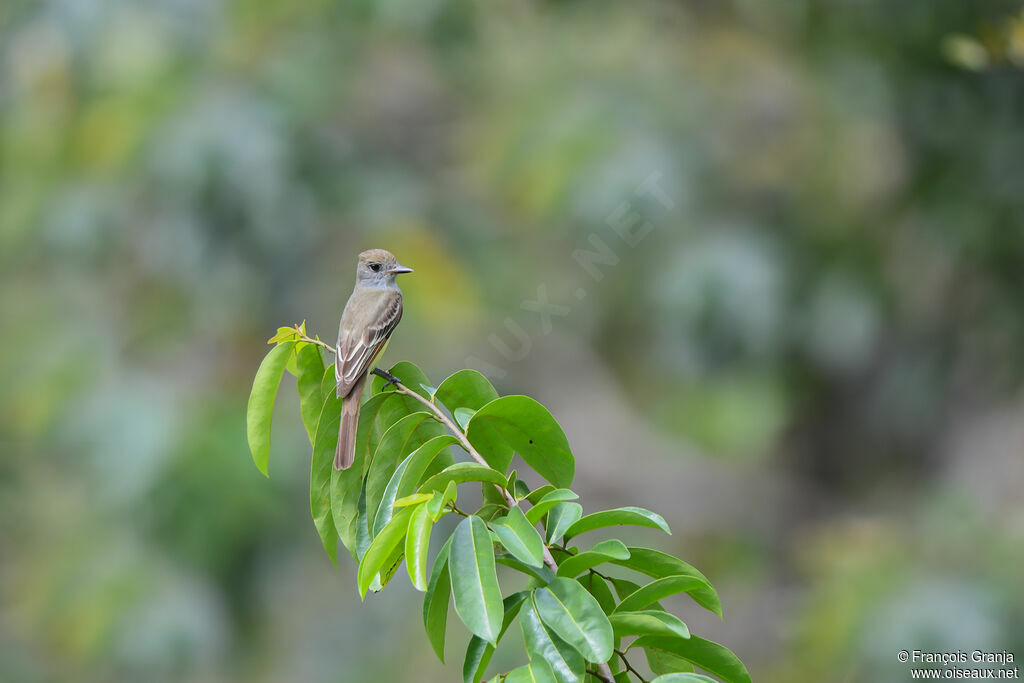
(810, 364)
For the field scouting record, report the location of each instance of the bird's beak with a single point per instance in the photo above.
(399, 269)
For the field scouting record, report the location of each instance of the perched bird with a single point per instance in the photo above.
(370, 316)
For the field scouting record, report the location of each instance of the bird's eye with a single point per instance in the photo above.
(375, 267)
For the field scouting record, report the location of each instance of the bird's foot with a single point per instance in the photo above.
(391, 379)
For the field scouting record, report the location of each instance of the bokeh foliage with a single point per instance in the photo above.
(831, 309)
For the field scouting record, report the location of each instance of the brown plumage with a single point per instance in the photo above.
(371, 315)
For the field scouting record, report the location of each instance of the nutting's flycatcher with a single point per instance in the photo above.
(370, 316)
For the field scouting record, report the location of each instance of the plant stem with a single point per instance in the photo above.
(629, 667)
(604, 672)
(400, 388)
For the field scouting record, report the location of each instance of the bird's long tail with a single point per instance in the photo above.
(346, 451)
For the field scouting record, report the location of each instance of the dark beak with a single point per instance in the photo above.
(399, 269)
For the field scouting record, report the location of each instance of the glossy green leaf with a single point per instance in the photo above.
(322, 464)
(683, 678)
(287, 334)
(417, 544)
(658, 589)
(538, 493)
(410, 375)
(479, 651)
(648, 623)
(465, 389)
(596, 586)
(542, 574)
(658, 565)
(519, 537)
(421, 461)
(575, 616)
(460, 473)
(565, 661)
(463, 416)
(435, 602)
(310, 366)
(474, 580)
(561, 517)
(414, 499)
(704, 654)
(347, 486)
(537, 671)
(439, 503)
(401, 439)
(490, 511)
(550, 499)
(385, 509)
(529, 429)
(662, 662)
(261, 403)
(633, 516)
(380, 552)
(604, 551)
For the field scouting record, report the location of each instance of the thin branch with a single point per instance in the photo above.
(604, 672)
(309, 340)
(400, 388)
(629, 667)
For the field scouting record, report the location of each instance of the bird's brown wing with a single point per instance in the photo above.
(362, 336)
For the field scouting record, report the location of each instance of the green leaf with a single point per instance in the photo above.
(537, 671)
(561, 517)
(565, 661)
(310, 366)
(542, 574)
(348, 486)
(683, 678)
(322, 464)
(597, 587)
(413, 499)
(529, 429)
(627, 515)
(576, 617)
(705, 654)
(462, 472)
(648, 623)
(551, 498)
(402, 438)
(519, 537)
(261, 403)
(465, 389)
(463, 416)
(286, 334)
(538, 493)
(479, 651)
(474, 580)
(662, 662)
(420, 462)
(378, 556)
(658, 589)
(438, 504)
(412, 377)
(604, 551)
(659, 565)
(435, 602)
(417, 544)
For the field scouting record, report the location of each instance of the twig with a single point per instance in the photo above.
(629, 667)
(310, 340)
(400, 388)
(603, 672)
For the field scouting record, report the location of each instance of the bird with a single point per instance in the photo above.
(370, 316)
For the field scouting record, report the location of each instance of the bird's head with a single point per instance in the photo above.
(378, 268)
